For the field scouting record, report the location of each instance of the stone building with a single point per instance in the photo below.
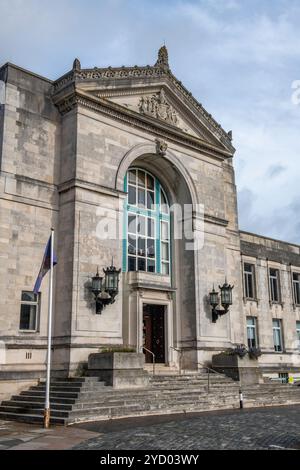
(108, 150)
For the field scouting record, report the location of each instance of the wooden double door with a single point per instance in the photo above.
(154, 332)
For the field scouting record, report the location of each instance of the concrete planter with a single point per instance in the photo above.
(119, 369)
(244, 369)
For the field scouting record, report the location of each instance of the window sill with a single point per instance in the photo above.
(28, 331)
(137, 277)
(281, 304)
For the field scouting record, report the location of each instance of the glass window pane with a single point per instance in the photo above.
(296, 284)
(141, 178)
(150, 182)
(28, 317)
(29, 296)
(131, 195)
(131, 223)
(141, 264)
(150, 200)
(275, 290)
(277, 335)
(141, 198)
(142, 230)
(142, 246)
(150, 265)
(276, 338)
(162, 198)
(132, 176)
(151, 232)
(131, 263)
(250, 321)
(298, 333)
(164, 203)
(165, 268)
(164, 231)
(150, 248)
(131, 244)
(141, 227)
(297, 293)
(248, 268)
(165, 251)
(249, 286)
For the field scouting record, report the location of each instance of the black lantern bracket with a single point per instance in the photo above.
(226, 300)
(105, 290)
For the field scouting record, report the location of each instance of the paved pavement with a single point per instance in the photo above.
(268, 428)
(19, 436)
(263, 428)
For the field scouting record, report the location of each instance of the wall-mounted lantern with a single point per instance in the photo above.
(226, 301)
(105, 292)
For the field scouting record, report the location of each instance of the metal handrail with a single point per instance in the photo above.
(209, 368)
(153, 356)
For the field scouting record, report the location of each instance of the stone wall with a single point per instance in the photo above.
(265, 253)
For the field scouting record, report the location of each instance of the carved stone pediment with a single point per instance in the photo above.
(157, 106)
(119, 85)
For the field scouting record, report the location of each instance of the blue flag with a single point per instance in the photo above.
(45, 266)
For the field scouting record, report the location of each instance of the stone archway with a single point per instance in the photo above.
(150, 148)
(181, 309)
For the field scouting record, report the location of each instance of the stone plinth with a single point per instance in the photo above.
(119, 369)
(245, 370)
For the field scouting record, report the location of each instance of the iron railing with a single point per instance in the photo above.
(153, 357)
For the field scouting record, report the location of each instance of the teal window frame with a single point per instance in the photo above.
(159, 218)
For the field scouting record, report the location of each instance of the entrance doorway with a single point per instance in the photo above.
(154, 332)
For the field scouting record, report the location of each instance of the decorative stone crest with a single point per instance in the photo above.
(163, 58)
(161, 147)
(76, 65)
(158, 107)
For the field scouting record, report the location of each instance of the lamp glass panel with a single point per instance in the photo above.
(96, 283)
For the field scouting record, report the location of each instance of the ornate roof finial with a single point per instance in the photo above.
(162, 59)
(76, 64)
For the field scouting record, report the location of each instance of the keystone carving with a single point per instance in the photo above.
(161, 147)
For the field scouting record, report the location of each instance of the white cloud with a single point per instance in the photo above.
(239, 58)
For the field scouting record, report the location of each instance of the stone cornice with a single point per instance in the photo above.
(77, 75)
(215, 220)
(72, 99)
(77, 183)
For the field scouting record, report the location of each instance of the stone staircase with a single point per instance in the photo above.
(87, 399)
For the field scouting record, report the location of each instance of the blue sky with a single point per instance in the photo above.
(239, 58)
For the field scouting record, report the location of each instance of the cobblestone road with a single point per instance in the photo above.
(268, 428)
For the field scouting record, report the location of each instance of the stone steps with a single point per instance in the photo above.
(30, 418)
(33, 405)
(87, 399)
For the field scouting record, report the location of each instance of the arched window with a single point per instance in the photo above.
(146, 245)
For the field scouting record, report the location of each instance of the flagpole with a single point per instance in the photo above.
(50, 303)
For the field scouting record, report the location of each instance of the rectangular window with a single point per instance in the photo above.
(296, 288)
(252, 332)
(29, 311)
(249, 280)
(298, 333)
(277, 335)
(274, 285)
(284, 377)
(165, 247)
